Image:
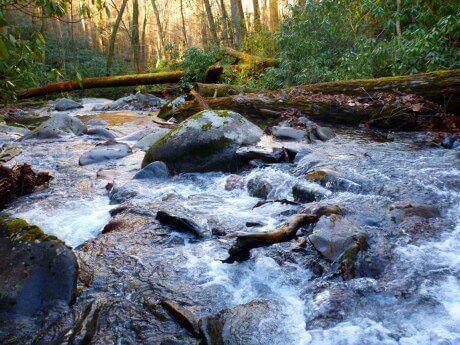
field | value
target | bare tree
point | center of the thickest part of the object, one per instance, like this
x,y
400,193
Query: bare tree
x,y
161,39
212,25
255,4
398,19
184,30
238,21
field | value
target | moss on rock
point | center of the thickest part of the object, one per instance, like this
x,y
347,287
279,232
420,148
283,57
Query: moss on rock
x,y
20,230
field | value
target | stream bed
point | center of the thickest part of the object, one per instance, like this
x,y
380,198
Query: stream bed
x,y
290,293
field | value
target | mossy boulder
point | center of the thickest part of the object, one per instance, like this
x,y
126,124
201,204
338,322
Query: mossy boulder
x,y
207,141
37,271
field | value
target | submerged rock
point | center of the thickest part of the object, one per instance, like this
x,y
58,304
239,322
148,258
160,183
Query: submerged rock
x,y
402,211
268,155
308,193
207,141
63,104
234,182
259,187
256,322
57,126
37,272
157,170
179,223
330,179
104,152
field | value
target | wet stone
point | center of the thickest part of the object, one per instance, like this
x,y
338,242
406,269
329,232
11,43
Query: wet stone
x,y
155,170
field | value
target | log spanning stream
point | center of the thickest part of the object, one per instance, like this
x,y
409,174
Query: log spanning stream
x,y
405,291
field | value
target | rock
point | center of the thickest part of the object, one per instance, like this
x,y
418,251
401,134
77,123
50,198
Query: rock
x,y
331,180
258,187
254,224
267,155
148,140
157,170
332,237
234,182
63,104
106,151
323,133
207,141
165,110
57,126
402,211
283,132
257,322
308,193
179,223
139,101
14,130
37,272
100,132
136,136
97,122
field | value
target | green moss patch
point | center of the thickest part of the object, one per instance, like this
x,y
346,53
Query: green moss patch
x,y
20,230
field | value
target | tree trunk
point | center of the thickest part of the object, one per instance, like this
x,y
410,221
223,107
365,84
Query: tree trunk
x,y
113,36
398,19
225,23
212,75
184,30
352,102
238,21
274,15
212,25
161,39
257,24
135,41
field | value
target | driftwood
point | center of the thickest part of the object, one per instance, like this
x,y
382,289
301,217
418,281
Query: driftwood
x,y
212,76
352,102
240,251
252,60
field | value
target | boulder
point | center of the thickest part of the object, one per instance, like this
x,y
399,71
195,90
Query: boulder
x,y
63,104
323,133
148,140
207,141
37,272
267,155
259,187
179,223
57,126
104,152
166,109
139,101
135,136
155,170
330,179
284,132
100,132
401,212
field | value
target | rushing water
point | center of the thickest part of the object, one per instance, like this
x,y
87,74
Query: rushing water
x,y
424,271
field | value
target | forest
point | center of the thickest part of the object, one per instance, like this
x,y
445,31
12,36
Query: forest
x,y
230,172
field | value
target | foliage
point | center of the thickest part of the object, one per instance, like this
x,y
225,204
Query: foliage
x,y
334,40
196,61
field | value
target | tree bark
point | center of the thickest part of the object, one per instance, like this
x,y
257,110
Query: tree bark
x,y
161,39
225,24
351,102
257,24
238,21
252,60
398,19
184,30
212,24
274,15
113,36
213,73
135,41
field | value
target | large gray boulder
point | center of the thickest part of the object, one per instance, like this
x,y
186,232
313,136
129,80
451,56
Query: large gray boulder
x,y
148,140
155,170
57,126
104,152
207,141
63,104
37,272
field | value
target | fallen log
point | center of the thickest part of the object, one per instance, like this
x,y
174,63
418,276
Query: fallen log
x,y
212,76
252,60
353,102
240,251
221,90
